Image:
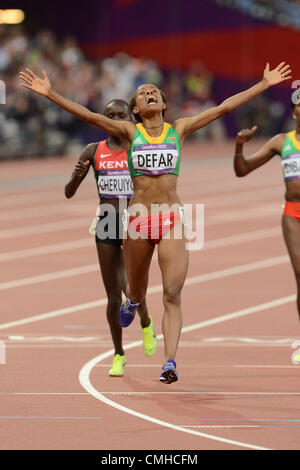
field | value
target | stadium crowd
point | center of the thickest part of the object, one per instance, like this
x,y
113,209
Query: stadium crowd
x,y
282,12
31,125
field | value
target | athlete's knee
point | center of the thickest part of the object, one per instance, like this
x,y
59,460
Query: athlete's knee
x,y
172,294
136,294
114,300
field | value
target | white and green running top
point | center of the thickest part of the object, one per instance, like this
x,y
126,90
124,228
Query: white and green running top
x,y
154,155
290,157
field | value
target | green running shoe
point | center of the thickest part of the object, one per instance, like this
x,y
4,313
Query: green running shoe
x,y
118,364
296,359
149,339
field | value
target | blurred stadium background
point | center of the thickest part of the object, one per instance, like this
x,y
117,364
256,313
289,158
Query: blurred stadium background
x,y
198,52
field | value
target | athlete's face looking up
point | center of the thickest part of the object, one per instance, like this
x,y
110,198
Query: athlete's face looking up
x,y
148,101
117,112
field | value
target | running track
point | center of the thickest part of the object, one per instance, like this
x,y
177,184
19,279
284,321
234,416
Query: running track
x,y
238,388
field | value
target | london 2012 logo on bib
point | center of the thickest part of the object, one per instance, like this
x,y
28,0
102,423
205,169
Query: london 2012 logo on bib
x,y
155,159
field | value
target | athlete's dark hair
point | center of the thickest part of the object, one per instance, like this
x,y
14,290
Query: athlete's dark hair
x,y
119,102
132,104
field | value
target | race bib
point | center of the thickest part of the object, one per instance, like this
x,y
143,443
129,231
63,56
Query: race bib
x,y
291,167
115,185
155,159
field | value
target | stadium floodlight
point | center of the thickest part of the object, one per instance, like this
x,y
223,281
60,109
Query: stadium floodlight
x,y
11,16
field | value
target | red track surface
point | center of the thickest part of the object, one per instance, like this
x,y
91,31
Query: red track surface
x,y
238,387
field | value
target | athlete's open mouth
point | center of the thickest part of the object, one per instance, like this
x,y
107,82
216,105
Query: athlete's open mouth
x,y
151,100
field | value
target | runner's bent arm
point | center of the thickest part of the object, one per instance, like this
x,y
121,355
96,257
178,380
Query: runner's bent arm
x,y
243,166
80,171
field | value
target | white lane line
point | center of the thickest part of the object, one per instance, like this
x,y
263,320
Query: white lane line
x,y
264,212
158,288
50,209
212,244
84,374
261,426
220,426
241,313
242,238
37,197
86,200
69,339
187,187
201,393
246,197
86,384
44,393
244,268
208,245
47,249
55,313
91,268
55,191
261,211
45,228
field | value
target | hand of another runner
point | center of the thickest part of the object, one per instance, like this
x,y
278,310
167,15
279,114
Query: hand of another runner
x,y
81,167
34,83
245,135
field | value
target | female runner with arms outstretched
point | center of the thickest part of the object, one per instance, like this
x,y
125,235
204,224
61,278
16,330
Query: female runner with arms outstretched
x,y
153,149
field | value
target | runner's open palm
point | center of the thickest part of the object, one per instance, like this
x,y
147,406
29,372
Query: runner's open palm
x,y
34,83
278,75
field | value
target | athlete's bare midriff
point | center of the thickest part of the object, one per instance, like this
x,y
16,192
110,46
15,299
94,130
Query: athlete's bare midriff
x,y
292,192
155,190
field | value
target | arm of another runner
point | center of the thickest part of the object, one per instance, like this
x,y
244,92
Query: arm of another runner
x,y
186,126
271,148
42,86
80,171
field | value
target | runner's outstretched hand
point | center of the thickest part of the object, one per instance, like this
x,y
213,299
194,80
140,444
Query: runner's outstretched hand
x,y
34,83
281,73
